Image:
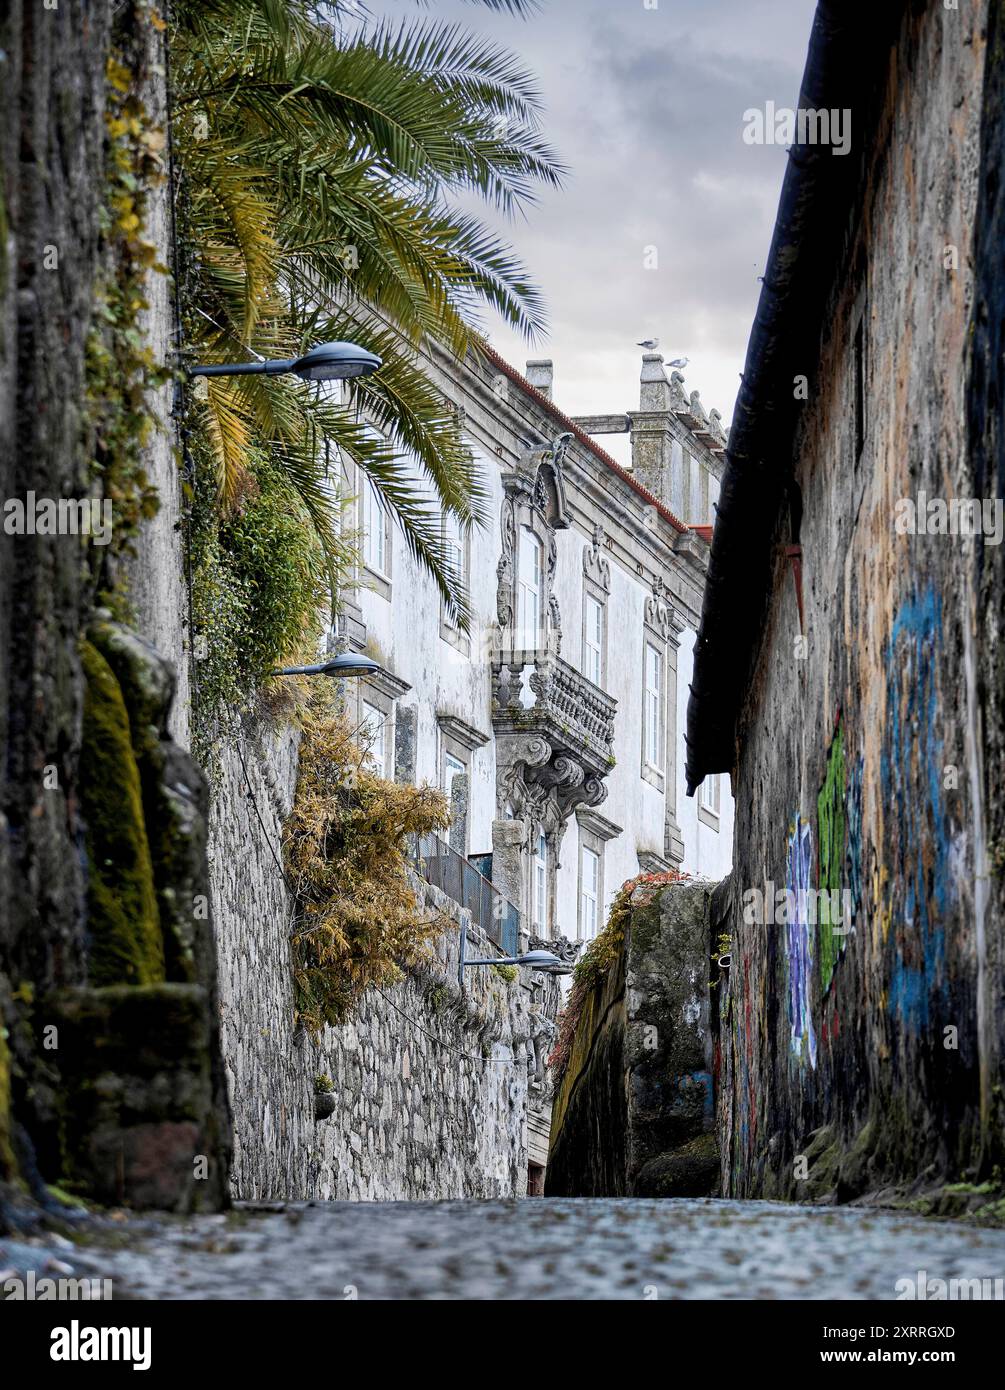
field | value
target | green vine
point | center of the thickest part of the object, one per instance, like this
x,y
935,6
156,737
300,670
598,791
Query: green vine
x,y
120,367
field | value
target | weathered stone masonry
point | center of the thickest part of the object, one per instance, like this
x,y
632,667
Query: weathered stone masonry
x,y
633,1113
413,1117
869,767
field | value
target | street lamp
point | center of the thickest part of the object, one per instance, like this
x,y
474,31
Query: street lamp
x,y
348,666
538,960
326,362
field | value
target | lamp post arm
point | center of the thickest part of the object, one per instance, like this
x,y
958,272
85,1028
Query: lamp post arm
x,y
243,368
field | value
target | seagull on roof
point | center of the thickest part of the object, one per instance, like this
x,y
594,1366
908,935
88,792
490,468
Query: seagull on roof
x,y
650,344
679,363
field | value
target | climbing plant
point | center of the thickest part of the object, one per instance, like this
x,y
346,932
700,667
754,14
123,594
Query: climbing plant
x,y
120,368
601,955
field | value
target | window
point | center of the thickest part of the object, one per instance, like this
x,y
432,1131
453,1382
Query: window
x,y
589,893
454,552
374,732
376,538
652,710
539,886
452,767
709,794
593,639
529,577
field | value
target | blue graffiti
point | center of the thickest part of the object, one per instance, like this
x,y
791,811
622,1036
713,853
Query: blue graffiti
x,y
912,763
799,943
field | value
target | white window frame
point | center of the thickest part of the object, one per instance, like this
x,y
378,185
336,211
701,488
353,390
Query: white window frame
x,y
710,800
529,589
539,885
654,706
457,541
594,643
375,530
591,890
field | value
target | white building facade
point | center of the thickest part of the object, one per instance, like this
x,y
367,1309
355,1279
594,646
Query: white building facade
x,y
556,724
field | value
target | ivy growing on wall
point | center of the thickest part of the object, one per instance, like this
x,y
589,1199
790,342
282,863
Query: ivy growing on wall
x,y
259,588
120,366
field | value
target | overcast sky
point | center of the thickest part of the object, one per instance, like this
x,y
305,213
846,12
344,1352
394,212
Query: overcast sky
x,y
646,108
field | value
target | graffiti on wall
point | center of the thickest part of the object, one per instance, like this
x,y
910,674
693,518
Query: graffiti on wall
x,y
831,859
799,942
912,765
839,854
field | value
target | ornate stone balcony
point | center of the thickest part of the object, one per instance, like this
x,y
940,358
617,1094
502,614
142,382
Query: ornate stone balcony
x,y
554,727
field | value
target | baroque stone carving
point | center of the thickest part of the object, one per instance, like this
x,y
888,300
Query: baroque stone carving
x,y
566,950
596,566
554,754
658,610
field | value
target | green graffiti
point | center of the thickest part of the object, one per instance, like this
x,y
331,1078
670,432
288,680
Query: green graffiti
x,y
830,852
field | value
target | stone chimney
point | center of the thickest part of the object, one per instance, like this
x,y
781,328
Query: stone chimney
x,y
652,440
541,373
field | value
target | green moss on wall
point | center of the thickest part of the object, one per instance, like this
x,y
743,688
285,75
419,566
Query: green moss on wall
x,y
123,922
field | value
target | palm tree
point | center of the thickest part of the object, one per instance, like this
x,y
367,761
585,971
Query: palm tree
x,y
322,161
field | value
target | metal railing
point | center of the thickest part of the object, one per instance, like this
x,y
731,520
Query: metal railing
x,y
460,880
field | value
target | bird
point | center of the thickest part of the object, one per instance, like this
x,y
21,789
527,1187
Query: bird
x,y
650,344
679,363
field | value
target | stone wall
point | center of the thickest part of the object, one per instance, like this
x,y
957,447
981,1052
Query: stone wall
x,y
633,1113
431,1088
870,1054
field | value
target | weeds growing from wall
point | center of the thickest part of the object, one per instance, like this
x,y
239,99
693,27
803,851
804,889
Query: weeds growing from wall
x,y
345,846
601,955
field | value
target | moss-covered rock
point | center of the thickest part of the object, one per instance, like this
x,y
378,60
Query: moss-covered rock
x,y
123,922
690,1171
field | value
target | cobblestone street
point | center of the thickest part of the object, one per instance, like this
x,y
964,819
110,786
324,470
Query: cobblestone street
x,y
534,1249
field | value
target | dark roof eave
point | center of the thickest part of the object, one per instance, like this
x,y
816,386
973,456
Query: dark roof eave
x,y
844,71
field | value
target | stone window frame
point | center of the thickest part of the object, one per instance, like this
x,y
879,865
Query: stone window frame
x,y
377,700
595,833
458,740
707,814
381,692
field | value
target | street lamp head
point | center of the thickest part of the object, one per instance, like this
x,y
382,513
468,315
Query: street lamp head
x,y
335,362
348,666
546,961
326,362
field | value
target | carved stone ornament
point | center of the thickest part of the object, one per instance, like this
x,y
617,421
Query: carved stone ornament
x,y
596,565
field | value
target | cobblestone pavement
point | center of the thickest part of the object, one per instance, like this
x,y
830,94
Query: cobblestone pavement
x,y
533,1249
